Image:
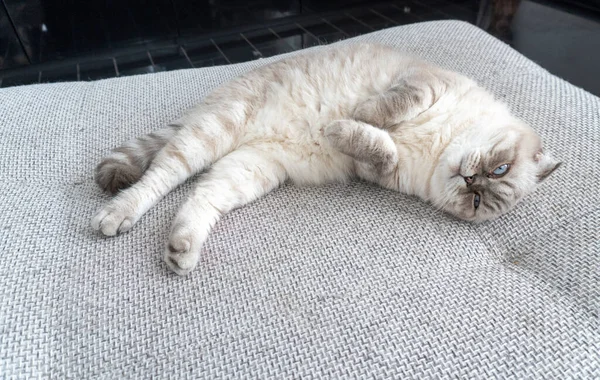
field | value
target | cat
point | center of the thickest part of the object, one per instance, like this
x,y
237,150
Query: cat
x,y
357,110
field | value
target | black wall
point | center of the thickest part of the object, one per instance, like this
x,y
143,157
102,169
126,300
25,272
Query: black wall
x,y
36,31
39,31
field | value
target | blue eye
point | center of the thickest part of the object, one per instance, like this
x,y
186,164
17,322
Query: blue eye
x,y
476,200
501,169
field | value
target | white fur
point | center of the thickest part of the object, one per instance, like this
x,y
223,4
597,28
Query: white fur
x,y
270,126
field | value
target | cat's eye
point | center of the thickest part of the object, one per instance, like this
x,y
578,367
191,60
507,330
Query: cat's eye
x,y
501,170
476,200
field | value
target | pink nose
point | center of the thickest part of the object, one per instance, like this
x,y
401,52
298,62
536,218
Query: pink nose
x,y
469,180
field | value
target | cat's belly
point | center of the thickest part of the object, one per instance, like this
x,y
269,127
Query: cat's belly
x,y
290,124
302,149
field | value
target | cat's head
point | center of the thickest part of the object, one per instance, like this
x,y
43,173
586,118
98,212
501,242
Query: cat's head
x,y
490,167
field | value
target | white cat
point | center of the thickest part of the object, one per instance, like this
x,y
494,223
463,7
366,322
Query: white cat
x,y
360,110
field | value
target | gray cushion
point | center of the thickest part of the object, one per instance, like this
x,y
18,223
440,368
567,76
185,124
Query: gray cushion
x,y
336,281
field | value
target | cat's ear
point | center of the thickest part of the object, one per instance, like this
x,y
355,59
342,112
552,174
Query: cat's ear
x,y
546,165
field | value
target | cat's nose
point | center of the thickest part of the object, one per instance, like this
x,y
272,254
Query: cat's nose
x,y
469,180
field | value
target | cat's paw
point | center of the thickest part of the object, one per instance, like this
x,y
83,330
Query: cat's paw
x,y
113,219
181,254
336,131
369,112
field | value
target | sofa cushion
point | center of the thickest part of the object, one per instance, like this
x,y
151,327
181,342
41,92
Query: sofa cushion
x,y
339,281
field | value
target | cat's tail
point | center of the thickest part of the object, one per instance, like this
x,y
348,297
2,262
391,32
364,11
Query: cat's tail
x,y
126,164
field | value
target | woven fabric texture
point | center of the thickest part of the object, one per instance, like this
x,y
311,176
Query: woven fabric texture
x,y
340,281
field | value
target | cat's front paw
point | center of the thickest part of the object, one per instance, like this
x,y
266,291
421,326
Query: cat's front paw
x,y
336,131
113,219
182,254
369,112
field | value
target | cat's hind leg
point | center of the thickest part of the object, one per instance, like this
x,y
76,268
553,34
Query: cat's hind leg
x,y
203,138
237,179
126,164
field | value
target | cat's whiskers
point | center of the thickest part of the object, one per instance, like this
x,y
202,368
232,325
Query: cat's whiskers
x,y
440,209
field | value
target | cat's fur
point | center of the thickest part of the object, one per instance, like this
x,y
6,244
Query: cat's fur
x,y
359,110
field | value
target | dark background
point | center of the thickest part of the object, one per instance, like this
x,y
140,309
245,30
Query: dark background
x,y
58,40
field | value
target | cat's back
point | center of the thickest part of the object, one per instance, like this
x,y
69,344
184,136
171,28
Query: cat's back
x,y
336,73
312,88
